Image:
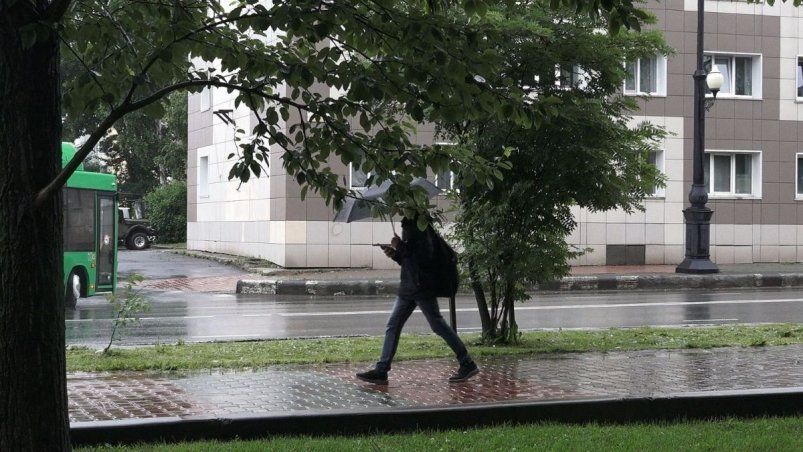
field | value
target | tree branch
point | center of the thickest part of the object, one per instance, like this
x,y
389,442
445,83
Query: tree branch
x,y
56,184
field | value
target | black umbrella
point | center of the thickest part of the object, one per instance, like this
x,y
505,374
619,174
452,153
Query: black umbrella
x,y
360,207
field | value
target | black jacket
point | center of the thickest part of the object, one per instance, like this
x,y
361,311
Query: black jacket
x,y
414,253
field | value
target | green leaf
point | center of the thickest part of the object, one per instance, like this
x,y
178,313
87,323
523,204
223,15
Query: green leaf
x,y
417,113
272,116
154,110
255,168
365,122
422,222
234,171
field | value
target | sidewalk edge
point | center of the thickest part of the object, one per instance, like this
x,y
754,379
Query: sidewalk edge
x,y
749,403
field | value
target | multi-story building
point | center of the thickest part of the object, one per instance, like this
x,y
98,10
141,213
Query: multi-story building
x,y
753,158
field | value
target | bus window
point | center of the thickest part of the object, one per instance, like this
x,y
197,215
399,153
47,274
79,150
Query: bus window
x,y
79,220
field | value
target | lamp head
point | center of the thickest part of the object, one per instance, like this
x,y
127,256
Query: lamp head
x,y
714,80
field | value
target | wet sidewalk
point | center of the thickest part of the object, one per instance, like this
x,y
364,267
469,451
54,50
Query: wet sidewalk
x,y
313,399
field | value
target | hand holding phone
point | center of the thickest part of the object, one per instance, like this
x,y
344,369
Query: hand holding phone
x,y
387,249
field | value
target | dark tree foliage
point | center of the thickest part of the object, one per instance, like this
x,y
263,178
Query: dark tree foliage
x,y
585,153
436,60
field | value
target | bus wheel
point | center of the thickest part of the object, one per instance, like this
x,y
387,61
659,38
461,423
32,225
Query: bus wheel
x,y
73,290
138,241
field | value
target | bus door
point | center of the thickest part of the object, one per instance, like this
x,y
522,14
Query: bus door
x,y
107,242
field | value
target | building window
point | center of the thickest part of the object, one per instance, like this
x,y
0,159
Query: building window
x,y
646,76
571,77
733,174
444,180
357,178
206,99
656,157
203,177
568,77
800,77
741,74
799,177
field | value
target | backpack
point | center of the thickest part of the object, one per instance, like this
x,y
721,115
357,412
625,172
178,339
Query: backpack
x,y
442,269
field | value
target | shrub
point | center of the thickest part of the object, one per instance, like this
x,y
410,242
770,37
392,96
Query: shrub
x,y
167,211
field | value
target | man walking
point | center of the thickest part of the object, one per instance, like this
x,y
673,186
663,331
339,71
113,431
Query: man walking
x,y
413,251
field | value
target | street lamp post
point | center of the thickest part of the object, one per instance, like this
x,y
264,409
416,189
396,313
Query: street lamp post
x,y
698,216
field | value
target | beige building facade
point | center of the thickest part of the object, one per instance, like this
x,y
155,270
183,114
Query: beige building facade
x,y
754,160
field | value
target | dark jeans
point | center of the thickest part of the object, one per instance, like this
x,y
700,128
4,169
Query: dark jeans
x,y
402,309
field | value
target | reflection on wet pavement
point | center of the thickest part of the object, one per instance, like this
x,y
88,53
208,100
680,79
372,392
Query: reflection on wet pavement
x,y
415,384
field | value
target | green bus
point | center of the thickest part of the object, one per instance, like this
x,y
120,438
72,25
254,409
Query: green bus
x,y
90,231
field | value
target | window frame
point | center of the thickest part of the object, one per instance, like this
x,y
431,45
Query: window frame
x,y
660,78
351,178
660,163
756,75
799,79
798,187
79,228
435,177
578,78
755,174
205,101
451,180
203,176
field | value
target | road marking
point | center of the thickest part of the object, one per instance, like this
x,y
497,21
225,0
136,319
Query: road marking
x,y
560,307
662,303
518,308
547,297
170,317
161,318
225,335
319,314
708,320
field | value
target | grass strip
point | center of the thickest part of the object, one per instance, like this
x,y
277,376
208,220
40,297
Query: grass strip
x,y
775,434
234,355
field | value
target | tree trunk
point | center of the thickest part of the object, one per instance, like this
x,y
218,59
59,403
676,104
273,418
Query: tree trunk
x,y
33,392
479,295
510,316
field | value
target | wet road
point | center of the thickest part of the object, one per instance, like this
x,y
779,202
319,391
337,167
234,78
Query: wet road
x,y
160,264
197,317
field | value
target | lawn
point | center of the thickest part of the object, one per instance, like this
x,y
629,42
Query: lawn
x,y
234,355
770,434
767,434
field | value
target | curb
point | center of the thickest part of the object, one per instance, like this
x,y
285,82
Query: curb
x,y
648,281
743,403
320,288
675,281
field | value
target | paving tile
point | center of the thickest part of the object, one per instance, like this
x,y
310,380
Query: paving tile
x,y
281,389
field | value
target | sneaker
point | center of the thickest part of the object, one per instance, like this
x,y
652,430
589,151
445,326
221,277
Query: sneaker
x,y
374,376
464,373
